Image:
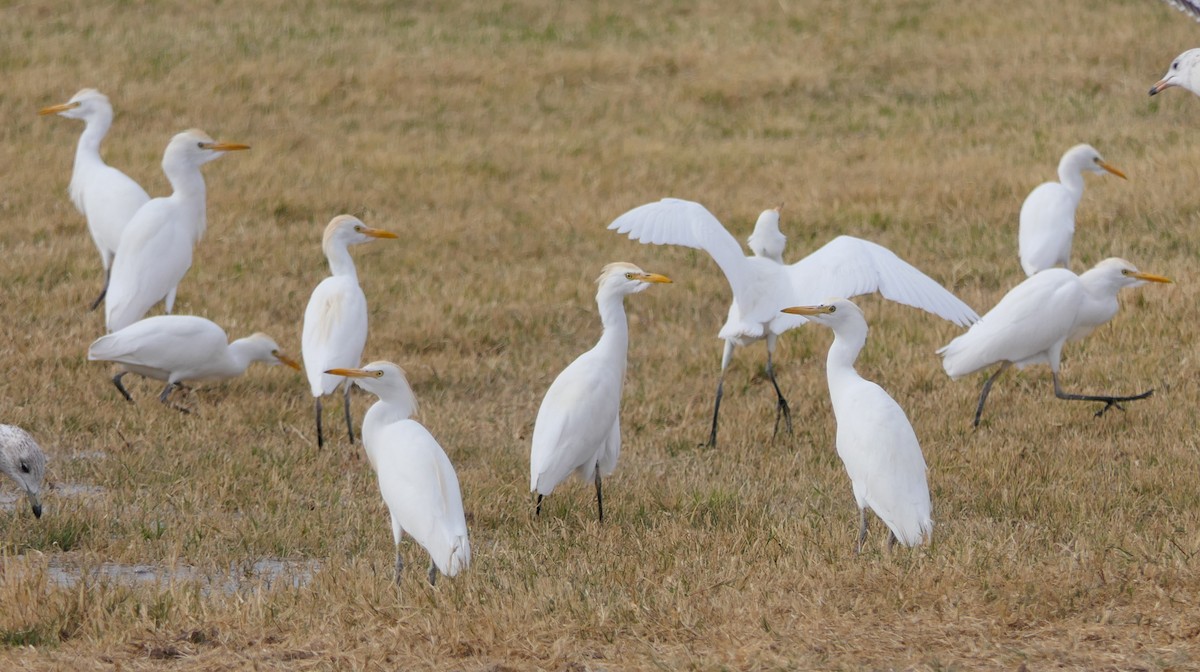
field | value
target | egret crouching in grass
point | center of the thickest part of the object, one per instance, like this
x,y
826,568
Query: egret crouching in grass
x,y
578,427
874,438
763,285
1035,319
1184,71
24,462
182,349
335,321
106,197
1048,213
416,478
156,246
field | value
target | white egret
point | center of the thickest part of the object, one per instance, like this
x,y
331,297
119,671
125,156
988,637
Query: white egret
x,y
578,426
1035,319
763,285
106,197
875,440
1048,213
1184,72
335,321
23,460
182,349
416,478
156,247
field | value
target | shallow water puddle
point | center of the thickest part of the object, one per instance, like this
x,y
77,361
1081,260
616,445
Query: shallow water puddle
x,y
265,573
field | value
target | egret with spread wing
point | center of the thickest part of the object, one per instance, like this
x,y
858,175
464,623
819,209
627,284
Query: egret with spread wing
x,y
106,197
875,440
1035,319
1048,213
763,285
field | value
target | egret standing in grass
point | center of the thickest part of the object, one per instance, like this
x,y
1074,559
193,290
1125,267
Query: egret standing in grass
x,y
156,247
874,437
416,478
1048,213
578,427
1035,319
24,462
1184,72
335,321
763,285
105,196
182,349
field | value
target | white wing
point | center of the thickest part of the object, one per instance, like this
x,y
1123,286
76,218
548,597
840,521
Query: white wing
x,y
1032,319
174,343
673,221
846,267
153,257
110,200
421,490
1047,228
335,331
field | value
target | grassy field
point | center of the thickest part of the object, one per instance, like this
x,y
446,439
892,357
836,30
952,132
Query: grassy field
x,y
498,140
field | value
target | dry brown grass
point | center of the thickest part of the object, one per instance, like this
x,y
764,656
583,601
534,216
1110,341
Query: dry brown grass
x,y
498,140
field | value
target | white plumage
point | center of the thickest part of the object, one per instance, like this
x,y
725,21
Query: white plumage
x,y
106,197
1184,71
1034,320
763,285
416,478
1048,213
156,247
182,349
335,320
23,461
578,427
875,440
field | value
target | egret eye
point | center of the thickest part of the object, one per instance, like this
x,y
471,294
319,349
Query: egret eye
x,y
629,276
201,145
379,374
833,309
358,227
24,468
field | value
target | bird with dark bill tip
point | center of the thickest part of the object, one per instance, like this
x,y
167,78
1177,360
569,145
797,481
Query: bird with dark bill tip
x,y
1184,72
24,462
875,440
183,349
335,321
578,426
1047,225
106,197
416,478
1035,319
763,285
156,247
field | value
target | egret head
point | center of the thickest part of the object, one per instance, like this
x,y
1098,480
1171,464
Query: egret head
x,y
1116,274
625,278
346,230
1084,157
384,380
767,241
1183,72
194,147
264,349
24,461
831,313
85,104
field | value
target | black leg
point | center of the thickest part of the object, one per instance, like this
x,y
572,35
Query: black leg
x,y
349,424
433,573
891,540
104,291
121,388
862,530
599,495
1109,401
166,395
987,388
320,435
399,565
538,510
712,438
781,410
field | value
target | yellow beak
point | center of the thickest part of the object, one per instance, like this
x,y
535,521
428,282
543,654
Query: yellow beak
x,y
652,277
55,109
808,310
350,373
1150,277
1112,169
378,233
287,361
224,146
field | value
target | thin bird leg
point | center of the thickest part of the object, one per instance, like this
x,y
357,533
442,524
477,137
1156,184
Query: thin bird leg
x,y
433,573
891,540
725,357
782,409
987,387
103,291
399,565
169,304
121,388
349,424
1109,401
538,510
862,530
320,435
599,495
165,398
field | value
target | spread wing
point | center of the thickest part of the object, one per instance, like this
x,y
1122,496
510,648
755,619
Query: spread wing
x,y
846,267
